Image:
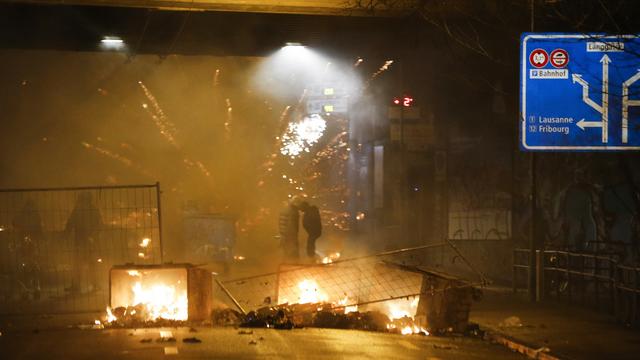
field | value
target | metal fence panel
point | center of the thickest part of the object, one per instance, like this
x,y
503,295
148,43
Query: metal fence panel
x,y
57,245
364,280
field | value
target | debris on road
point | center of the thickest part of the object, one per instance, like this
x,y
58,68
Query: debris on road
x,y
192,340
226,317
165,339
511,321
245,332
253,342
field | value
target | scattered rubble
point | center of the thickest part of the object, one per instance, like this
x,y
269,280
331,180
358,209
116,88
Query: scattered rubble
x,y
510,322
138,317
192,340
226,317
320,315
165,339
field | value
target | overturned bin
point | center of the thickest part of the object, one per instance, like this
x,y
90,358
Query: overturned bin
x,y
445,302
144,293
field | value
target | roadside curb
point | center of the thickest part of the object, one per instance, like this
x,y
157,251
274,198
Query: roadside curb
x,y
520,346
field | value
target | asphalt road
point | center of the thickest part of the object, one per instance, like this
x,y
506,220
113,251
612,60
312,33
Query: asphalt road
x,y
228,343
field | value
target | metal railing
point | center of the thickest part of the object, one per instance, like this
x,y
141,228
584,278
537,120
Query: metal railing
x,y
57,244
589,279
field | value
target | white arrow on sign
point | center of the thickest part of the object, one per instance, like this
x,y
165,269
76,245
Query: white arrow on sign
x,y
602,109
584,123
626,103
577,78
605,97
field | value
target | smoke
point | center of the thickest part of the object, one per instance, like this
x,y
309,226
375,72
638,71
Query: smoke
x,y
209,129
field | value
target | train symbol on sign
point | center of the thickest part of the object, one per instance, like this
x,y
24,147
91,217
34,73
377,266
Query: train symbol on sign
x,y
559,58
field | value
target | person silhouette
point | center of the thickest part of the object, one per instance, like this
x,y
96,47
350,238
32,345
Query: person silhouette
x,y
84,222
312,224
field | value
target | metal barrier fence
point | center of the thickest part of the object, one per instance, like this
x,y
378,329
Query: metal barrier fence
x,y
594,280
57,245
371,279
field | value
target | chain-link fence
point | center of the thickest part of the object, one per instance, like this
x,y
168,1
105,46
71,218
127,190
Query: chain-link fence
x,y
57,245
369,279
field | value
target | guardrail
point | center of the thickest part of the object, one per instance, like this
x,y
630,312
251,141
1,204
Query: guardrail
x,y
589,279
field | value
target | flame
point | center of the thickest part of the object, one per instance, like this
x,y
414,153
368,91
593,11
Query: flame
x,y
310,292
331,258
110,316
409,330
145,242
161,301
150,299
401,312
347,309
400,308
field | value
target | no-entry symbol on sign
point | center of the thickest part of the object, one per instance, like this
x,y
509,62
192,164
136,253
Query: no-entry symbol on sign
x,y
539,58
559,58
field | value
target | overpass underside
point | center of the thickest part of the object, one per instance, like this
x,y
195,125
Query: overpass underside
x,y
384,8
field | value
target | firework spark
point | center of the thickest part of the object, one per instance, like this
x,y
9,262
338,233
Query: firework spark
x,y
300,136
166,127
216,78
387,64
117,157
227,123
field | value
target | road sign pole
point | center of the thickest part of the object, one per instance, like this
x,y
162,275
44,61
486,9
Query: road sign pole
x,y
534,197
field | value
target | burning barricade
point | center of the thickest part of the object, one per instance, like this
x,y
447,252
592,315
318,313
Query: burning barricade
x,y
375,296
158,295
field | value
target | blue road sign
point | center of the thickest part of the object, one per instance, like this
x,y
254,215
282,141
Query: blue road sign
x,y
579,92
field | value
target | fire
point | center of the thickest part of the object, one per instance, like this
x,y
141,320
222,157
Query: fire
x,y
401,312
408,330
161,301
310,293
400,308
331,258
110,317
145,242
347,309
147,296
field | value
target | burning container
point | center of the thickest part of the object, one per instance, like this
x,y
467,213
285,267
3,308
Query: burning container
x,y
153,292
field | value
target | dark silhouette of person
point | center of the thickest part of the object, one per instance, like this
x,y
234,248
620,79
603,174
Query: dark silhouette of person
x,y
84,222
578,214
288,225
620,205
312,225
27,226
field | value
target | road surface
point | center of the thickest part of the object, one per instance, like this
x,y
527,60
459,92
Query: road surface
x,y
228,343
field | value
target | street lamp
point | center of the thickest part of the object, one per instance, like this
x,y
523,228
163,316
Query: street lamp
x,y
112,43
